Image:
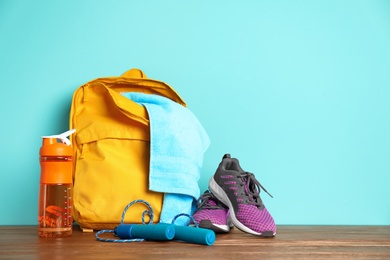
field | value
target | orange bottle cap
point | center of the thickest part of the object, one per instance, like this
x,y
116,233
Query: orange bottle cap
x,y
50,147
58,167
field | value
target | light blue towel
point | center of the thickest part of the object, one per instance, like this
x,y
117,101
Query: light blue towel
x,y
177,145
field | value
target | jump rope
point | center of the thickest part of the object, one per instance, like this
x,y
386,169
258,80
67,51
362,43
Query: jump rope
x,y
157,232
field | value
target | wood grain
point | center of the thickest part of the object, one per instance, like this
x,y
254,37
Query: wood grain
x,y
291,242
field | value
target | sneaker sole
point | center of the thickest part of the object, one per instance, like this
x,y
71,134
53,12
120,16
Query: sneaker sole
x,y
215,227
222,196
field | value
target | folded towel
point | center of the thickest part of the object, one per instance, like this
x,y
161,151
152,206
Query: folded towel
x,y
177,145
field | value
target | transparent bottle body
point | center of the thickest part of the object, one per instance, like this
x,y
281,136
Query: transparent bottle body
x,y
55,210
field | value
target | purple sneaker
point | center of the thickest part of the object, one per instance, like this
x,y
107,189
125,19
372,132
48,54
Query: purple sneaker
x,y
212,214
240,191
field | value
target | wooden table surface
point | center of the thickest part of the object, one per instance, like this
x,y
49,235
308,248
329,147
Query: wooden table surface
x,y
291,242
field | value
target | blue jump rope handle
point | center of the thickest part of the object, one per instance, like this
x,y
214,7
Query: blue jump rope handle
x,y
164,232
160,232
194,235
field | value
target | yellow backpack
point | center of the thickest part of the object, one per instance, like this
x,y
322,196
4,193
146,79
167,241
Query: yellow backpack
x,y
111,150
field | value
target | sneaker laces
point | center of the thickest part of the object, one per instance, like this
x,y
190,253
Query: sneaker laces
x,y
253,188
208,201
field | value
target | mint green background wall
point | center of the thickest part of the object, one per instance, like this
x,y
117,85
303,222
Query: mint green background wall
x,y
297,90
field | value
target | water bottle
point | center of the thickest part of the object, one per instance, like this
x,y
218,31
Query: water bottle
x,y
56,185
